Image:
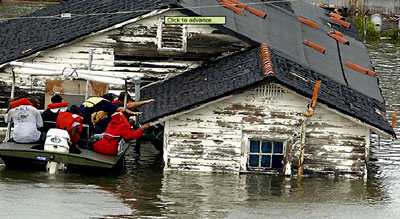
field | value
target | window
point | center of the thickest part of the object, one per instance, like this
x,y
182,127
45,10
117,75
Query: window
x,y
265,154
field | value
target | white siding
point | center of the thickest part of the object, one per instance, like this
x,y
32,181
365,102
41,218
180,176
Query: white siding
x,y
215,137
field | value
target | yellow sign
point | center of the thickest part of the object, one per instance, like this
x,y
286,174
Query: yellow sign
x,y
195,20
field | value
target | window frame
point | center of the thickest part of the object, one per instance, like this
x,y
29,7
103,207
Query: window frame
x,y
260,154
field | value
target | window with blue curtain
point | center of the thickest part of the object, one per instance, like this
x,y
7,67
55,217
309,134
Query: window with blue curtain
x,y
265,154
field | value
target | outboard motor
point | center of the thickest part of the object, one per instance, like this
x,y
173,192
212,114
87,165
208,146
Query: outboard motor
x,y
57,140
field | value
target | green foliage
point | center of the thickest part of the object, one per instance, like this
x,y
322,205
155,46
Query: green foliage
x,y
372,33
393,34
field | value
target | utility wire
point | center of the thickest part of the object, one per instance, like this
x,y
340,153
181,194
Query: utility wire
x,y
71,15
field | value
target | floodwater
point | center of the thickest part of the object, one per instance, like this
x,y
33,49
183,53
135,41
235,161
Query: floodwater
x,y
144,190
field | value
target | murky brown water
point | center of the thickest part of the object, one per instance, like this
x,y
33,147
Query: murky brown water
x,y
144,190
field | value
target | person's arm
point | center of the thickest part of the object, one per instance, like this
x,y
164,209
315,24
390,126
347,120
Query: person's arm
x,y
128,134
132,105
74,133
121,109
39,120
8,116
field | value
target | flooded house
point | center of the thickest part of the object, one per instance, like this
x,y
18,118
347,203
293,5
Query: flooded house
x,y
233,97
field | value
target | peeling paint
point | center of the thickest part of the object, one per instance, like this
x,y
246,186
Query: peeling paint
x,y
334,144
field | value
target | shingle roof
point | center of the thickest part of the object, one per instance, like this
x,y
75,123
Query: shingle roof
x,y
284,33
33,35
203,84
244,70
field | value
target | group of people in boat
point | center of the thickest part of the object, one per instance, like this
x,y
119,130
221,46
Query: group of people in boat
x,y
105,115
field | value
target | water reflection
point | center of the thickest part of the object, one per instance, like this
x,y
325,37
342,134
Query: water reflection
x,y
216,195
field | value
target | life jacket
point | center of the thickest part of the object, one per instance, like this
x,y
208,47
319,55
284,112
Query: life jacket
x,y
117,129
120,116
22,101
57,105
91,102
65,121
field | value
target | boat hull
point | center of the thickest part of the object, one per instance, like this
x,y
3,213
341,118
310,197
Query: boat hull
x,y
13,153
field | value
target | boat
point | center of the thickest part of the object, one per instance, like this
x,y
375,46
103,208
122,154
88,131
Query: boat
x,y
55,155
19,155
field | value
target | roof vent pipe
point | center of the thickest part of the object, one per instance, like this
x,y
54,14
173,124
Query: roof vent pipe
x,y
308,22
314,46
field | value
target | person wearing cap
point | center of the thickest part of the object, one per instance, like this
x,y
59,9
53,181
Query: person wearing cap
x,y
118,128
26,119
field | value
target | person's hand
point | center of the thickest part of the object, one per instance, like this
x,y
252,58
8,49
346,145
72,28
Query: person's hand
x,y
136,113
145,126
150,100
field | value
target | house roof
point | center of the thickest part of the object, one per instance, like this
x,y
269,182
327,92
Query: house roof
x,y
245,70
283,32
280,29
23,37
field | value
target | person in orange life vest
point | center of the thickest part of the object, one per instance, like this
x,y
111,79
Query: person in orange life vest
x,y
51,113
117,129
73,124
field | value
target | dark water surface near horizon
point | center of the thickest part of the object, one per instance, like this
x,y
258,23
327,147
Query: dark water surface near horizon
x,y
145,190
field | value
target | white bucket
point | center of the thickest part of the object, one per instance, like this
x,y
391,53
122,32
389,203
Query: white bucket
x,y
376,19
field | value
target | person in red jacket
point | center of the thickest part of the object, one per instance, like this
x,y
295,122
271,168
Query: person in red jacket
x,y
73,124
117,129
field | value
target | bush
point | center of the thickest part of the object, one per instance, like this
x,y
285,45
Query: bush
x,y
372,33
393,34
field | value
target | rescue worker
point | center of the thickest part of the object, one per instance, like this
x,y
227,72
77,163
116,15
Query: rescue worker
x,y
117,129
98,121
51,113
26,120
73,124
96,104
